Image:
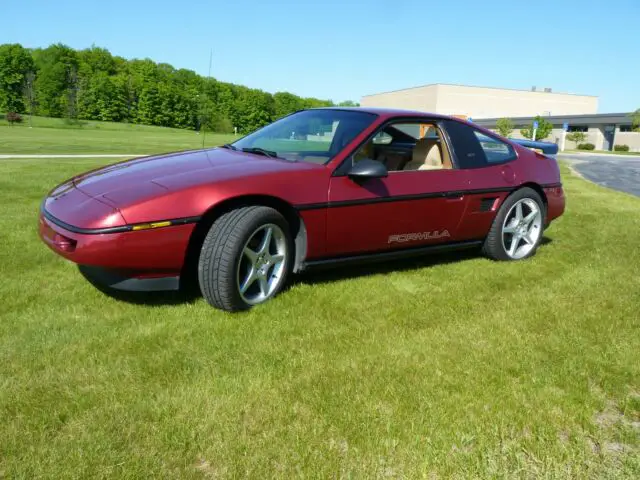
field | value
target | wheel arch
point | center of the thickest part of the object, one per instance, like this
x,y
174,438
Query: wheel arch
x,y
296,223
539,190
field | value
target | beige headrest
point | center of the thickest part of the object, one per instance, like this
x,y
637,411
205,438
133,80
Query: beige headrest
x,y
426,154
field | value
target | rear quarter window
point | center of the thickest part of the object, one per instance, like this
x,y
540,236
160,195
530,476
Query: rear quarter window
x,y
495,150
474,149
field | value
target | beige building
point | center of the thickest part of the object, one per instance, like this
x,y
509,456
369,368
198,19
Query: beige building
x,y
604,130
483,102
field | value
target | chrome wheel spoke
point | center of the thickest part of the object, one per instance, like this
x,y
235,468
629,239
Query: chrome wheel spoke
x,y
276,259
527,238
512,228
248,281
266,241
531,217
514,245
251,255
518,217
264,285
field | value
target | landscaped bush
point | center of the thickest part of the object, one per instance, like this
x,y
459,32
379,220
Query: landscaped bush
x,y
621,148
13,117
586,146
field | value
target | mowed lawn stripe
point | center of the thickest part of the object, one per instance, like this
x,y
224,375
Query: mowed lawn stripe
x,y
101,138
437,367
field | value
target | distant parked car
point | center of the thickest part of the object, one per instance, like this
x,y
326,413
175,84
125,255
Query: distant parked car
x,y
378,185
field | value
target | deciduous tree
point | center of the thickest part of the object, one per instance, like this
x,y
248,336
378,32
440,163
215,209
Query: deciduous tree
x,y
543,131
635,120
15,64
92,84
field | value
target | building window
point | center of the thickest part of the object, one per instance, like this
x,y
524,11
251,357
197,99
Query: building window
x,y
578,128
626,128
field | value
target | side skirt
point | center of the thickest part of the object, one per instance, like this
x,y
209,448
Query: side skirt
x,y
389,255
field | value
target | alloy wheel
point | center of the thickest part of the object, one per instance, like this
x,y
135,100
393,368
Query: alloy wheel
x,y
522,228
262,264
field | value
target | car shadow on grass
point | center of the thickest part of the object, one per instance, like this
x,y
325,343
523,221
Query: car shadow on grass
x,y
404,265
190,292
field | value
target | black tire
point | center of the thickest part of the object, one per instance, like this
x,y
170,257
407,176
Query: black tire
x,y
494,246
221,254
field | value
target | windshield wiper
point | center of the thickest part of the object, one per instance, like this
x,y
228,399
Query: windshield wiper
x,y
261,151
228,146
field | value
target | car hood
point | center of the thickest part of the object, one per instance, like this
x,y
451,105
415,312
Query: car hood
x,y
123,183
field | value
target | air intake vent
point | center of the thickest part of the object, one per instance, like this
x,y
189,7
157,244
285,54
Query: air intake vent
x,y
486,204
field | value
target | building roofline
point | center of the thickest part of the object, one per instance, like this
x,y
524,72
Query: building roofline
x,y
621,118
578,115
476,86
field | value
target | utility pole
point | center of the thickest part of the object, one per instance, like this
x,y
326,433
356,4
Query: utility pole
x,y
208,80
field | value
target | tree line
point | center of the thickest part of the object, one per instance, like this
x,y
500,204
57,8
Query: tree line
x,y
92,84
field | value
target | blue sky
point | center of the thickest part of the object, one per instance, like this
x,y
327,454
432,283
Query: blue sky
x,y
343,49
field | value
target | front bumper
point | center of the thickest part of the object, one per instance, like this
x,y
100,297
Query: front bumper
x,y
136,255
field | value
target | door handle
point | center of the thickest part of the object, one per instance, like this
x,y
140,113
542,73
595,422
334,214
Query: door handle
x,y
454,195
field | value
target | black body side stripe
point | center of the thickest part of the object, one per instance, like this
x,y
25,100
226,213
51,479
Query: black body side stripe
x,y
124,228
399,198
417,196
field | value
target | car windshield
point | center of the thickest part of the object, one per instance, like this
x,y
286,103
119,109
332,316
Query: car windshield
x,y
314,136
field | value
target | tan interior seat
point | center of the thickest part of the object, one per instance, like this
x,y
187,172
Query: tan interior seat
x,y
426,154
429,153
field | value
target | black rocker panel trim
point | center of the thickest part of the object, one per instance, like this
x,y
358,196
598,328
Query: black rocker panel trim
x,y
389,255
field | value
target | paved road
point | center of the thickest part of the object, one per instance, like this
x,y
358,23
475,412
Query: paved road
x,y
617,172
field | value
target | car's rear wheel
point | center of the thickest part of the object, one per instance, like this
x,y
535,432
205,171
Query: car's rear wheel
x,y
516,231
245,258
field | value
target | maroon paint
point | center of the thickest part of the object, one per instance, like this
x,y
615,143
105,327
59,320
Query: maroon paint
x,y
188,184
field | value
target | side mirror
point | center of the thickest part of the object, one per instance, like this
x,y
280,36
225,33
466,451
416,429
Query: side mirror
x,y
367,169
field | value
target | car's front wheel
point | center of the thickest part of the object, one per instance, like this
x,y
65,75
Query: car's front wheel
x,y
245,258
516,231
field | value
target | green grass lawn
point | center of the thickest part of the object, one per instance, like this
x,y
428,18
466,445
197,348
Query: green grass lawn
x,y
444,367
54,136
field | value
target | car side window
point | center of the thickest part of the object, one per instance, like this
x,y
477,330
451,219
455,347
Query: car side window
x,y
474,149
406,146
495,150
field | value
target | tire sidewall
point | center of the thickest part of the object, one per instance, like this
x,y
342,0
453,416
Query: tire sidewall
x,y
262,216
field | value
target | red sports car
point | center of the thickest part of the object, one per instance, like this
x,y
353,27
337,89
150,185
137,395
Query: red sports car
x,y
319,187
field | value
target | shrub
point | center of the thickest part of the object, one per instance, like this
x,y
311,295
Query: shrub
x,y
586,146
621,148
13,117
504,126
577,137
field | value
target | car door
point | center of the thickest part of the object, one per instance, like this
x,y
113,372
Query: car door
x,y
404,210
490,163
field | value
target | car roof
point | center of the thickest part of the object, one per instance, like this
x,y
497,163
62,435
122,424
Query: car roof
x,y
388,112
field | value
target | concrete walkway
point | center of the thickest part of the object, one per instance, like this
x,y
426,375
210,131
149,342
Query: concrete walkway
x,y
64,155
